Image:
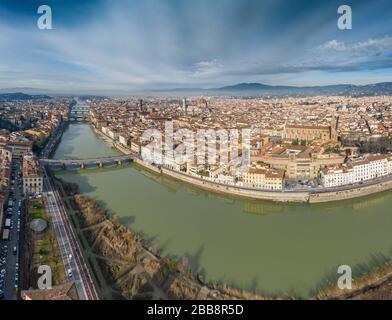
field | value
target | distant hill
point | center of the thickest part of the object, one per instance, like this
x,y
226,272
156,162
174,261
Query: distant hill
x,y
251,87
21,96
240,89
260,89
384,88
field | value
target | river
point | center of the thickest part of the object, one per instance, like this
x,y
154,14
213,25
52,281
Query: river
x,y
265,247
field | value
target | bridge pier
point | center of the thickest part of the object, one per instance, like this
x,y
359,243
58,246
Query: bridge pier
x,y
119,162
82,165
100,164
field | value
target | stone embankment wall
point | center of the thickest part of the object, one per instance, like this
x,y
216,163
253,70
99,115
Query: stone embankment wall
x,y
350,193
146,165
304,196
240,192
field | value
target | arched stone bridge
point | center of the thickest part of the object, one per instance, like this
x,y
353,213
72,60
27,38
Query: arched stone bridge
x,y
80,113
82,163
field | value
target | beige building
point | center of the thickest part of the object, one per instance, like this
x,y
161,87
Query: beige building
x,y
310,133
20,148
32,175
297,161
5,153
263,179
274,179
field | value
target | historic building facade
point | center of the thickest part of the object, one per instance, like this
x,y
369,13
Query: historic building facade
x,y
310,133
367,168
32,175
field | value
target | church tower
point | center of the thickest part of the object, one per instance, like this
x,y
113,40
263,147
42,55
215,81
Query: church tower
x,y
334,128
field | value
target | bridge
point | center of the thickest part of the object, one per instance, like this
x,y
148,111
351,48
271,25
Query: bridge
x,y
88,163
79,113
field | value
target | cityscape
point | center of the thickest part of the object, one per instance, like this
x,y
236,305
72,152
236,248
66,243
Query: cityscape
x,y
264,174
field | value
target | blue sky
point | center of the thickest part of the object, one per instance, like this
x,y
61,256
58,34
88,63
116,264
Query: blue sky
x,y
145,44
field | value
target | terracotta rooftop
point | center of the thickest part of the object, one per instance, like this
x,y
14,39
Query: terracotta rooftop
x,y
62,292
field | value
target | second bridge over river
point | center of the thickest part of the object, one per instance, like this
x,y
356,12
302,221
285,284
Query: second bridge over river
x,y
88,163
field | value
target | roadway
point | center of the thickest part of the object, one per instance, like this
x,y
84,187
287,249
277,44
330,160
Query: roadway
x,y
11,281
71,254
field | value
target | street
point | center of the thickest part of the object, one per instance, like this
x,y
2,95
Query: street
x,y
10,249
10,241
75,267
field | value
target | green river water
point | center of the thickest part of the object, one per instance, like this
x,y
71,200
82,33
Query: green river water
x,y
262,246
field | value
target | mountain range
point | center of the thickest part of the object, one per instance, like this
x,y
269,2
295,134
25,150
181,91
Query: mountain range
x,y
260,89
21,96
240,89
256,89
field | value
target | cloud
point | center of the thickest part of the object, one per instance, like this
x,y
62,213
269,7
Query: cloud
x,y
311,65
204,68
332,45
368,48
134,45
373,47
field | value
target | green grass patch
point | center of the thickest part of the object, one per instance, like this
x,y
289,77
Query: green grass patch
x,y
37,210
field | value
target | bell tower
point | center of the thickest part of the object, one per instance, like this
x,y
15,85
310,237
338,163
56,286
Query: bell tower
x,y
334,128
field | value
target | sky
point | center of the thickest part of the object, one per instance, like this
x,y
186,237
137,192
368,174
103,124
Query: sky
x,y
162,44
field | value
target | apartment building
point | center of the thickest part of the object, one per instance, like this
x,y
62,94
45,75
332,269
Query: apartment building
x,y
20,147
32,175
359,170
263,179
299,162
5,153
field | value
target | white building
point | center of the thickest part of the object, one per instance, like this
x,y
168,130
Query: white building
x,y
123,140
112,134
389,167
105,130
363,169
225,179
135,147
170,162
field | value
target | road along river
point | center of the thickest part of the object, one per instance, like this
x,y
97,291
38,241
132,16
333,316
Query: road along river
x,y
270,248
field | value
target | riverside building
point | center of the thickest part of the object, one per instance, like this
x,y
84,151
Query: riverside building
x,y
299,162
32,175
360,170
263,179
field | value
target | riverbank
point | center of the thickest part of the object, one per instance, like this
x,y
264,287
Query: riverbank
x,y
374,285
276,196
109,141
135,269
132,267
